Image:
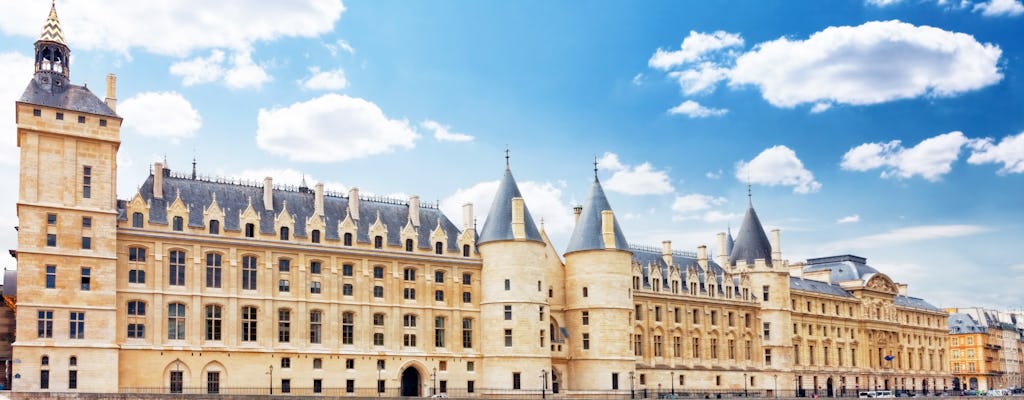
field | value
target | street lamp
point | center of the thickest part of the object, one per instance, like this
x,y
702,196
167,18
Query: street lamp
x,y
672,381
776,385
543,382
744,384
270,371
631,391
433,375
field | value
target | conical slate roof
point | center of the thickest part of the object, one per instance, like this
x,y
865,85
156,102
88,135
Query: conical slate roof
x,y
751,242
729,242
587,233
51,31
498,225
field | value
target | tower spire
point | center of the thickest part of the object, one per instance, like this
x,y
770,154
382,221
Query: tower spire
x,y
507,166
595,167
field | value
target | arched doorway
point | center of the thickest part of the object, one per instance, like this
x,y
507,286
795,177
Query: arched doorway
x,y
956,383
828,387
974,383
410,382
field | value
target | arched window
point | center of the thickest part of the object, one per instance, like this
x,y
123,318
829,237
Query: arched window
x,y
73,361
136,220
250,230
378,242
315,236
284,233
438,248
408,244
45,360
348,239
465,250
214,227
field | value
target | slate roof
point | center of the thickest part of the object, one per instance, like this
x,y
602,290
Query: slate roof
x,y
68,96
963,323
234,198
498,225
51,30
809,285
751,241
10,283
843,268
587,234
649,258
914,302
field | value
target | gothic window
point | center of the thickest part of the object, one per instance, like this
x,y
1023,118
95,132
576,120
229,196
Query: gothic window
x,y
438,248
178,224
378,242
214,227
408,244
284,233
348,239
315,236
250,230
136,220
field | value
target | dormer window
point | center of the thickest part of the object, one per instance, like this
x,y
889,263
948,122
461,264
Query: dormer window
x,y
378,242
465,250
214,227
408,244
315,236
136,220
284,233
178,224
348,239
439,248
250,230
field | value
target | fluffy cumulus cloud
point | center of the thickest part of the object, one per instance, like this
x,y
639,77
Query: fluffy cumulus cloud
x,y
642,179
543,199
325,80
930,159
871,63
331,128
1009,152
1000,8
700,206
166,115
693,109
238,72
694,48
849,219
443,133
700,79
778,165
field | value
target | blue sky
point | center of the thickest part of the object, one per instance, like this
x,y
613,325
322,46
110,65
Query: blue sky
x,y
887,129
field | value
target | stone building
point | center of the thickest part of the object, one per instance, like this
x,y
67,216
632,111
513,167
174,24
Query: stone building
x,y
217,285
985,347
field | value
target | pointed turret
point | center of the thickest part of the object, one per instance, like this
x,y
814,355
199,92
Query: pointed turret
x,y
52,52
507,214
52,31
729,241
597,227
751,242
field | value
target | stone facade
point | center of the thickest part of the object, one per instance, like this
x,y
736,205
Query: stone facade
x,y
214,285
986,348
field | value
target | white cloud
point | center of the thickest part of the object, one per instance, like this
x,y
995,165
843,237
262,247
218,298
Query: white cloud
x,y
700,79
778,165
175,28
200,70
639,180
165,115
872,63
696,202
849,219
882,3
693,48
241,73
543,199
339,45
325,80
1000,8
820,108
693,109
443,133
331,128
638,79
714,174
897,237
930,159
1009,152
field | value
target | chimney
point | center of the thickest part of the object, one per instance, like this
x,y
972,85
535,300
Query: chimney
x,y
577,211
776,246
608,228
702,256
353,203
666,248
268,193
723,259
467,216
318,199
518,218
158,180
111,99
414,211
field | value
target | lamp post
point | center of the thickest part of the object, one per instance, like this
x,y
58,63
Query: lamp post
x,y
744,384
672,381
433,375
379,370
776,385
270,371
632,393
543,383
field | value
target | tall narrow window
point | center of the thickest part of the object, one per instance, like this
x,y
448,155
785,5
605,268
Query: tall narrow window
x,y
438,248
86,278
467,333
348,239
77,328
45,324
508,285
516,381
315,322
176,268
136,220
177,381
378,242
439,332
73,379
213,322
408,244
248,324
249,273
213,270
86,182
176,321
508,313
213,382
51,276
315,236
348,328
465,250
284,325
136,265
178,224
284,233
136,319
250,230
86,243
508,338
214,227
